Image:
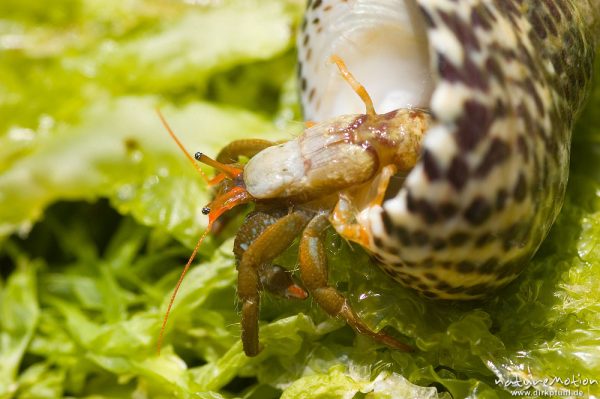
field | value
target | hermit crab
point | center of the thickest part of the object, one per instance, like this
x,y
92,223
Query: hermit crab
x,y
477,101
300,187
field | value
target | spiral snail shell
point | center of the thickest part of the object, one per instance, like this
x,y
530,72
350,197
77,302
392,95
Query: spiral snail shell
x,y
504,81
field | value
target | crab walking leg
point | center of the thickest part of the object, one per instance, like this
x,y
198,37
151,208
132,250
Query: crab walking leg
x,y
273,241
245,147
343,217
313,271
273,278
344,222
384,180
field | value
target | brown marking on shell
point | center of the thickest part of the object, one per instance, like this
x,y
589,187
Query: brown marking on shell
x,y
505,174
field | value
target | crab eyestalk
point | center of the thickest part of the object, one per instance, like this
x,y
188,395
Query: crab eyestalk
x,y
235,192
230,171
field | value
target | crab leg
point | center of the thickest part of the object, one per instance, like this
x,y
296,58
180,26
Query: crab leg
x,y
313,271
268,245
245,147
273,278
343,217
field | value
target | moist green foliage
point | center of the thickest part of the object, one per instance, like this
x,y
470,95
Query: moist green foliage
x,y
98,210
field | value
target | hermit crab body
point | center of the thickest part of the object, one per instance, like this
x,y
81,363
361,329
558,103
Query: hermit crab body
x,y
334,173
300,187
334,155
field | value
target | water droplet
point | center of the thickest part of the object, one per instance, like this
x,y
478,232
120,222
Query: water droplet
x,y
21,134
125,192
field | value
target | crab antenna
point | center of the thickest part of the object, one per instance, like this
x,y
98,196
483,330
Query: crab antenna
x,y
161,336
356,86
230,171
180,145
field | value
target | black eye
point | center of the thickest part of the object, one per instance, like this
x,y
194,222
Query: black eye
x,y
205,210
198,155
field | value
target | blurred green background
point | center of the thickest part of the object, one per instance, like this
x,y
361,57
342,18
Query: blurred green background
x,y
99,209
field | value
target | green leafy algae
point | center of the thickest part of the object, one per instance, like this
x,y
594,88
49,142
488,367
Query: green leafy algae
x,y
98,210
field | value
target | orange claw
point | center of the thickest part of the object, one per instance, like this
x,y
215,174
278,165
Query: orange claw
x,y
295,291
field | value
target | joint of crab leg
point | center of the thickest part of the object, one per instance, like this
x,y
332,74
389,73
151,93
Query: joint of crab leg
x,y
267,246
230,171
313,272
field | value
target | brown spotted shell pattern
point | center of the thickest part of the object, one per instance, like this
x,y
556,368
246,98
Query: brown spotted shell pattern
x,y
508,78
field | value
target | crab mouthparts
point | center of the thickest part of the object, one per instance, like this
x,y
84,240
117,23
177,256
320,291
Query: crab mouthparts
x,y
235,196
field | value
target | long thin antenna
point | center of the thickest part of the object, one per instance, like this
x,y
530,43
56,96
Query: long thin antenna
x,y
356,86
185,269
180,145
161,336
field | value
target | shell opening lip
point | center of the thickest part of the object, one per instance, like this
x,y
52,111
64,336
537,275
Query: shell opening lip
x,y
387,50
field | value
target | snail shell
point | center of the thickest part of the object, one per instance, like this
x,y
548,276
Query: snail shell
x,y
504,81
